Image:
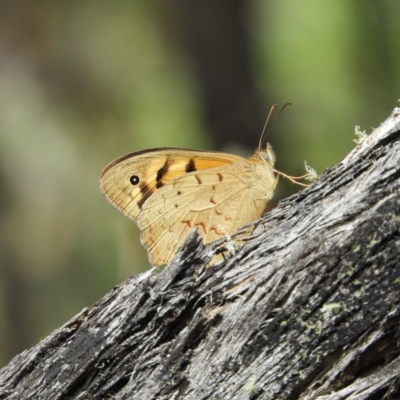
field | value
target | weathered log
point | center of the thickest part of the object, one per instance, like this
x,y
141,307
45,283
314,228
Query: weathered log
x,y
308,308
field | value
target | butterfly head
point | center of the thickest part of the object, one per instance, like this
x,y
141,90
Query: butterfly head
x,y
266,155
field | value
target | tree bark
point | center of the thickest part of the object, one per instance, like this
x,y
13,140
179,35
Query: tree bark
x,y
308,308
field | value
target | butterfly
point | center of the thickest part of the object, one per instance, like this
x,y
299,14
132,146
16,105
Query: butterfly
x,y
169,191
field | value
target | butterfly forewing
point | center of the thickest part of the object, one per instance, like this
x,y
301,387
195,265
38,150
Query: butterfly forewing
x,y
154,169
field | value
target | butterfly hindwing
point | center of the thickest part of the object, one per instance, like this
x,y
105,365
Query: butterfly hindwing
x,y
215,201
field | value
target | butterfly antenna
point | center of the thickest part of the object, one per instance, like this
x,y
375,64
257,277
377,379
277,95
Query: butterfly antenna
x,y
264,132
280,112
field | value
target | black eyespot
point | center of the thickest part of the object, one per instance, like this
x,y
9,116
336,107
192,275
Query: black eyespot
x,y
134,180
176,205
178,192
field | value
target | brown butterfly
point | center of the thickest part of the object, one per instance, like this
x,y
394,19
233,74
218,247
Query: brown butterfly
x,y
168,192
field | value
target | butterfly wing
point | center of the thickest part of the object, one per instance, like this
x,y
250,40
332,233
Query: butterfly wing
x,y
131,180
217,201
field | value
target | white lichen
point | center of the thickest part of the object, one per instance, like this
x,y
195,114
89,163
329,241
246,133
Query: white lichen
x,y
311,173
360,135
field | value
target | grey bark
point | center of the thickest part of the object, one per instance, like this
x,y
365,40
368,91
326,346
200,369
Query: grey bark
x,y
308,308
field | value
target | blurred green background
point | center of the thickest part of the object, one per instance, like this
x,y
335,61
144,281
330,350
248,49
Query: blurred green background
x,y
84,82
